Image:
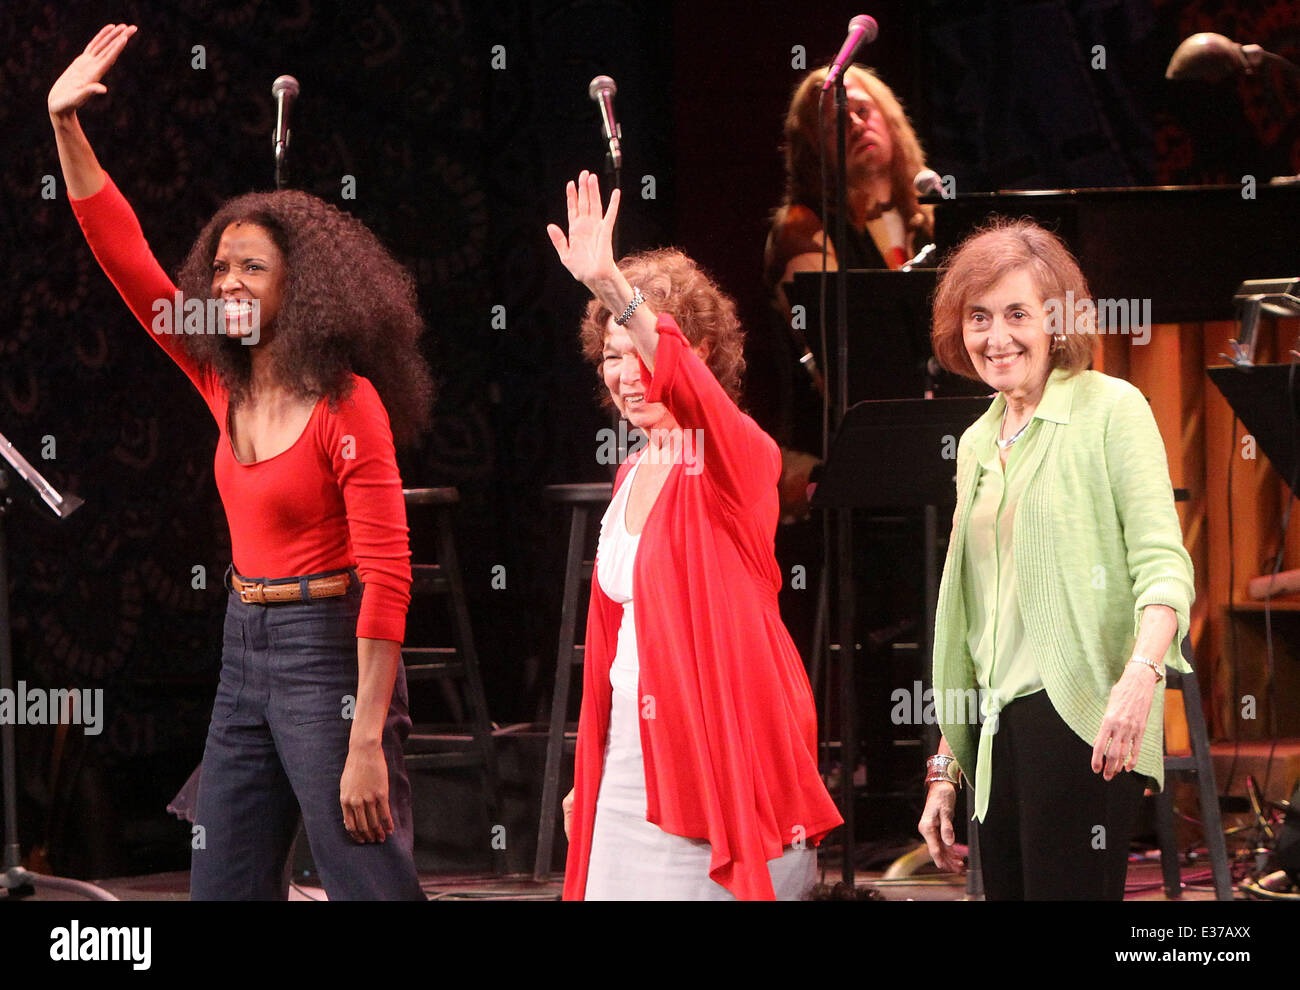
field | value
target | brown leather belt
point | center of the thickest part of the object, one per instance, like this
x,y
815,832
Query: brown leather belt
x,y
263,593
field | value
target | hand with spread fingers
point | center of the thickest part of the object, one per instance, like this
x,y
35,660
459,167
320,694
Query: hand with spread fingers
x,y
81,80
587,252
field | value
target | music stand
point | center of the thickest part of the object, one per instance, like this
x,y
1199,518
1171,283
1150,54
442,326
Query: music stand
x,y
16,880
1262,399
891,453
889,329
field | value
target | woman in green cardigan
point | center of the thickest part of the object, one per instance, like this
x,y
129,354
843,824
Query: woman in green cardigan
x,y
1066,589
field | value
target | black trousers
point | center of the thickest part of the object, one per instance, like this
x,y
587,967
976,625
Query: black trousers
x,y
1054,829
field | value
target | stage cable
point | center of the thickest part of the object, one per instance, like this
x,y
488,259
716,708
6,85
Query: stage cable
x,y
1232,624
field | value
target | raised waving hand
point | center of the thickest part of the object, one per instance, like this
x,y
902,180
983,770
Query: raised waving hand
x,y
587,252
81,80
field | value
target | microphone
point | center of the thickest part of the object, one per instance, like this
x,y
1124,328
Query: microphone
x,y
862,29
922,259
284,91
602,90
928,181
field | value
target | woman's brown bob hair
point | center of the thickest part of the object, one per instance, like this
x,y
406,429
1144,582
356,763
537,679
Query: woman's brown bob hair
x,y
981,261
674,284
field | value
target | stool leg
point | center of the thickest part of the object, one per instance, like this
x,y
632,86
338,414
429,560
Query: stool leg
x,y
465,649
820,620
1209,793
564,661
1168,844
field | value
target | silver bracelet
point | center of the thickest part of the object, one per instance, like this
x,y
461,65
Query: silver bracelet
x,y
1157,667
939,768
637,300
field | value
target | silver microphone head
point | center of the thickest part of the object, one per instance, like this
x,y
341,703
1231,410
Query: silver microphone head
x,y
1206,56
284,84
927,181
600,85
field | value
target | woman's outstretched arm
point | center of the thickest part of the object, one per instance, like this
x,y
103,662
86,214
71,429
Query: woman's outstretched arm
x,y
110,226
79,82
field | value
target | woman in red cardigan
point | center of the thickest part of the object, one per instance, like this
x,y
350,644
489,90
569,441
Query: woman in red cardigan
x,y
282,302
696,770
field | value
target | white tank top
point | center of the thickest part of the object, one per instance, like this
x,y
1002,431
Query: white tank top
x,y
615,556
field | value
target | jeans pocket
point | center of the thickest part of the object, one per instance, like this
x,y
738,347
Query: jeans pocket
x,y
316,664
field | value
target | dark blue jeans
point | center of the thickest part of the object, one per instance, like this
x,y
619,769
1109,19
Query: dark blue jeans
x,y
277,744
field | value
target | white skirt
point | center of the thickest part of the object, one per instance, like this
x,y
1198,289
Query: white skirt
x,y
632,859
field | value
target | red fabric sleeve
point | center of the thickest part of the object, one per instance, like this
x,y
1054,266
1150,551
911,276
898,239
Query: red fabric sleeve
x,y
359,441
119,245
733,452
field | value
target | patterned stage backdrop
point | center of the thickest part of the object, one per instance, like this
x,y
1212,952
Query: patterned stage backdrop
x,y
449,128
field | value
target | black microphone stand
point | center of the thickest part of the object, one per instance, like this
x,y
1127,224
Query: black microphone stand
x,y
280,145
614,180
843,525
16,880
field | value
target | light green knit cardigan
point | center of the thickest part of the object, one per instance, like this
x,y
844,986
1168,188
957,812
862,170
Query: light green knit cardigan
x,y
1096,540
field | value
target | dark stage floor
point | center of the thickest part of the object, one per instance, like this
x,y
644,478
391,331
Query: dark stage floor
x,y
1143,885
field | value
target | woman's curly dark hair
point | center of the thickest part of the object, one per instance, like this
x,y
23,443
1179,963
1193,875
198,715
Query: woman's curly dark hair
x,y
348,307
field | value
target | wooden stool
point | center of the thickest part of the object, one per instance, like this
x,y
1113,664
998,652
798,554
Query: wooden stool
x,y
1200,764
467,742
560,738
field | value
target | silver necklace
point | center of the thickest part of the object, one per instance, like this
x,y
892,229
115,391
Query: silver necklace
x,y
1006,444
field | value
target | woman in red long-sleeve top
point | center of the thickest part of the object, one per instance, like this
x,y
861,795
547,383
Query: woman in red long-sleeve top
x,y
696,770
282,301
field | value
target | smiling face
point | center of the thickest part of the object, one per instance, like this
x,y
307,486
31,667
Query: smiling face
x,y
1002,329
248,266
621,371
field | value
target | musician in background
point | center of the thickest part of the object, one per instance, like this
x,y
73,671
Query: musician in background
x,y
886,225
